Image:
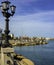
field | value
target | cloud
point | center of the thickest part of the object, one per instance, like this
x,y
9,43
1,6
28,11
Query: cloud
x,y
41,24
32,17
38,24
47,16
24,7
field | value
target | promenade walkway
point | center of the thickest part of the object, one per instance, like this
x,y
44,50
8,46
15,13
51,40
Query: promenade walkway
x,y
13,58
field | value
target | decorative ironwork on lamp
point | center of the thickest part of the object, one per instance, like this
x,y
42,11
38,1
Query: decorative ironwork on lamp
x,y
7,11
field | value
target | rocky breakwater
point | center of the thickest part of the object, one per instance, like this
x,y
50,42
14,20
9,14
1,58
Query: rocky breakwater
x,y
27,41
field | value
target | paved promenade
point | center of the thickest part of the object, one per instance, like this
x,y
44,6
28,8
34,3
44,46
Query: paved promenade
x,y
17,58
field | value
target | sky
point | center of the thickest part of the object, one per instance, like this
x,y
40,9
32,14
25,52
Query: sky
x,y
32,18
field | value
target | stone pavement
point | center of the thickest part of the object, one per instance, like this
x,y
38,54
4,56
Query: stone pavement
x,y
17,58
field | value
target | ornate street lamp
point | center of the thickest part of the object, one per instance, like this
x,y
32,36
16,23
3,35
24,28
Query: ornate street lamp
x,y
0,38
7,11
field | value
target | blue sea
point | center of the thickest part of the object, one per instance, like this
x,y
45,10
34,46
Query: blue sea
x,y
39,54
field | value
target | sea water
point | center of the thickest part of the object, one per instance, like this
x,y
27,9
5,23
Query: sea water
x,y
39,54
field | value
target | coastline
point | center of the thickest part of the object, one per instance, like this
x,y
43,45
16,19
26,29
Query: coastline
x,y
20,43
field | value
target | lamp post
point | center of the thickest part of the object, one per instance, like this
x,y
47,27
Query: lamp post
x,y
7,11
0,37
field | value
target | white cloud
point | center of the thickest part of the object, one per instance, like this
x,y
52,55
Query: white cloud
x,y
34,24
30,24
36,16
